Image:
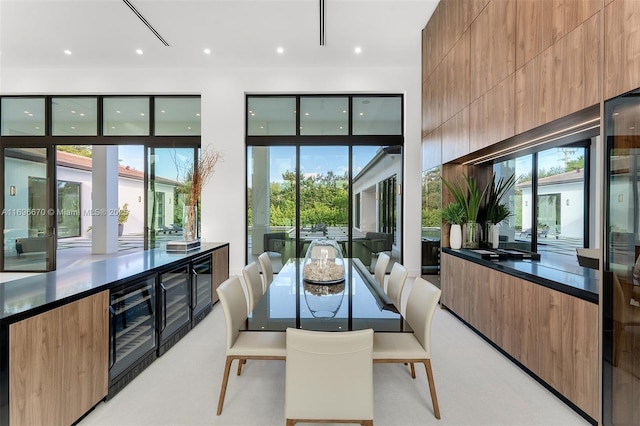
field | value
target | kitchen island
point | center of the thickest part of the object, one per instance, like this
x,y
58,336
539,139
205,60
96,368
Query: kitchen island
x,y
57,330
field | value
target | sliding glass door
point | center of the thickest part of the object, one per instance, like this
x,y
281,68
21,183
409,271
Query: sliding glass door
x,y
29,210
297,194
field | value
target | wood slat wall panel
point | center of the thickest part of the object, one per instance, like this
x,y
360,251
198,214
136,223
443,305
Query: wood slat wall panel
x,y
456,20
456,69
533,29
492,115
576,83
492,46
433,37
433,95
455,136
621,47
432,149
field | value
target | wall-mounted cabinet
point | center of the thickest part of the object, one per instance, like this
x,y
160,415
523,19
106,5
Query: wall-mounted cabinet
x,y
521,64
621,47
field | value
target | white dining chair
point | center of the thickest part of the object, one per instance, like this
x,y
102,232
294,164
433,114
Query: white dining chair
x,y
395,284
243,345
253,284
267,270
329,377
410,348
380,271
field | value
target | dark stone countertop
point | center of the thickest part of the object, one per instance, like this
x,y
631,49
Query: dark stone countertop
x,y
577,281
24,297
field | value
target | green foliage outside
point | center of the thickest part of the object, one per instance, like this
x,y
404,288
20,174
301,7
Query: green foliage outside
x,y
82,150
323,199
431,198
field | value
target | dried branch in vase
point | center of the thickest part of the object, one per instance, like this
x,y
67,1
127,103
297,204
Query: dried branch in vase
x,y
201,174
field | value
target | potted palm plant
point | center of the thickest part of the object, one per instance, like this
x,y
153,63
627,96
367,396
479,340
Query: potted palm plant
x,y
469,195
453,214
123,216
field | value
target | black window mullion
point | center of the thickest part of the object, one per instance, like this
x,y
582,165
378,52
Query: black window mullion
x,y
534,202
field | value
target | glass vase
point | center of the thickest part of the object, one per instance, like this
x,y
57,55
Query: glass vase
x,y
471,235
190,221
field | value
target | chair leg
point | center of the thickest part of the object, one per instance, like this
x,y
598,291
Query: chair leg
x,y
241,362
367,423
291,422
225,379
413,370
432,388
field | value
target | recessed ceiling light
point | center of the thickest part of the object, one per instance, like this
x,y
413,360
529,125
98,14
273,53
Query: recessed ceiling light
x,y
117,112
82,114
362,113
188,127
197,114
73,127
280,50
37,127
67,52
73,111
139,51
306,113
162,111
358,50
26,112
344,111
616,113
207,51
142,114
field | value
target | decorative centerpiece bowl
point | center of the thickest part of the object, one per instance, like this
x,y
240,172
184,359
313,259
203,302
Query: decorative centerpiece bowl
x,y
323,263
324,280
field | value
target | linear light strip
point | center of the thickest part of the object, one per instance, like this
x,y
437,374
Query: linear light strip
x,y
144,20
536,141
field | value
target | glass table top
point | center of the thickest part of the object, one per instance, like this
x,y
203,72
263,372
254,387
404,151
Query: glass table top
x,y
354,304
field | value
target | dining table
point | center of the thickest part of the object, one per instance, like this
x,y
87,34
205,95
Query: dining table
x,y
354,303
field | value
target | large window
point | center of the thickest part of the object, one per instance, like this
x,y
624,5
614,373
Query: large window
x,y
324,166
135,125
549,202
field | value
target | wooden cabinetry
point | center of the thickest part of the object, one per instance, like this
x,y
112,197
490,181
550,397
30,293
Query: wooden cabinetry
x,y
492,46
520,64
621,47
553,334
220,269
58,362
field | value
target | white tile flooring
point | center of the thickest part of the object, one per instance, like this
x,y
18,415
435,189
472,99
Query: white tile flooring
x,y
476,385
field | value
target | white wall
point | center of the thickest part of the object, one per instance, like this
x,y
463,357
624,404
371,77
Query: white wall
x,y
223,93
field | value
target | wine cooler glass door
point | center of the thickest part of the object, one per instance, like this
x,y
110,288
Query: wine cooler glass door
x,y
132,325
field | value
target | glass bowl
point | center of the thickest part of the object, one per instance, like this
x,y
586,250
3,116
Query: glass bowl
x,y
323,263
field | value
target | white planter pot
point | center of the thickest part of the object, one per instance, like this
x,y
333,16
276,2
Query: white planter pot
x,y
455,237
495,236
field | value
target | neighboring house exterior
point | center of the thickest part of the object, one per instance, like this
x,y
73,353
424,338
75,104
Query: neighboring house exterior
x,y
75,187
562,193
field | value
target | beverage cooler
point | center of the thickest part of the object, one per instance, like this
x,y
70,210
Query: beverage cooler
x,y
132,332
621,278
174,306
201,280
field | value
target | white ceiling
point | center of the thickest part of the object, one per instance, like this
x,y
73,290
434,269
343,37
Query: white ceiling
x,y
240,33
